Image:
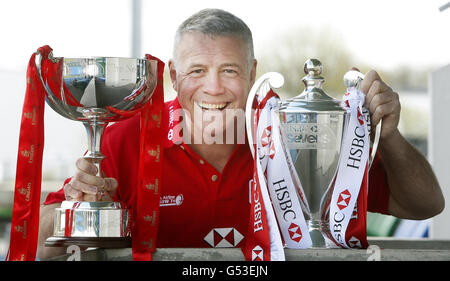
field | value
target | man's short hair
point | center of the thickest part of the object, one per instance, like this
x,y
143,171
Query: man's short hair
x,y
216,22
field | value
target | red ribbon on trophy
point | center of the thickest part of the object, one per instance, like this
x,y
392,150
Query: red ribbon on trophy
x,y
263,241
348,206
274,174
145,227
27,192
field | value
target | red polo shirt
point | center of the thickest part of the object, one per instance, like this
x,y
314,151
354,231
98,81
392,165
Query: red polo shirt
x,y
200,207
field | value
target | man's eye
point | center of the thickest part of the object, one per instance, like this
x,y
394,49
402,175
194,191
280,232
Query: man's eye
x,y
230,72
196,71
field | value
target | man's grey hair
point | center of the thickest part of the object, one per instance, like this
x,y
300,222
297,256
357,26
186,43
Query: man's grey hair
x,y
216,22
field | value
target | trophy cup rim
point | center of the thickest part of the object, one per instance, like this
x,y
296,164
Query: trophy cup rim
x,y
63,108
102,57
55,58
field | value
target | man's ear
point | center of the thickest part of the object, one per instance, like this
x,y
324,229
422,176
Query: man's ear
x,y
173,74
253,72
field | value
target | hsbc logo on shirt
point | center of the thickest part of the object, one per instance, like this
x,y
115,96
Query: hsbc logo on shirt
x,y
223,237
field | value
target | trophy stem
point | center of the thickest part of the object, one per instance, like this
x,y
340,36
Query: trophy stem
x,y
94,129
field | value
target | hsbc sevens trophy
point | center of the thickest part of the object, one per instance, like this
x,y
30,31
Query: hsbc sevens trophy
x,y
95,91
313,126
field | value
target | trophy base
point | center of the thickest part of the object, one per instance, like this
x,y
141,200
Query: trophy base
x,y
91,220
317,230
317,239
89,242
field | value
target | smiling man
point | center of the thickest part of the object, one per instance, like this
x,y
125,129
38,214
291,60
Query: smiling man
x,y
212,75
207,164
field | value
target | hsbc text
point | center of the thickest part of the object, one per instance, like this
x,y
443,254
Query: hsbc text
x,y
284,200
356,149
338,217
257,224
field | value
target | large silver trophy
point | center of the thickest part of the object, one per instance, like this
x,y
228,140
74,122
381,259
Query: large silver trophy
x,y
101,90
312,127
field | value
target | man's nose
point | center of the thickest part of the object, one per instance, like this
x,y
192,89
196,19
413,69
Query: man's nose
x,y
213,84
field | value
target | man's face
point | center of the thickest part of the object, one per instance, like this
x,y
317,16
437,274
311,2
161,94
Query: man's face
x,y
211,74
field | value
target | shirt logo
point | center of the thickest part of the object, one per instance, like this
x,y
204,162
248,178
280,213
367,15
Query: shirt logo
x,y
171,200
223,237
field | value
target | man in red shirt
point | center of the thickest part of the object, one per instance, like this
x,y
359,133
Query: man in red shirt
x,y
205,184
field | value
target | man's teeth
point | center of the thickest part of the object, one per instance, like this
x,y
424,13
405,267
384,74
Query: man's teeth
x,y
212,106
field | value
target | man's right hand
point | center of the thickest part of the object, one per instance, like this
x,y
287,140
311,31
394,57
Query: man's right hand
x,y
85,185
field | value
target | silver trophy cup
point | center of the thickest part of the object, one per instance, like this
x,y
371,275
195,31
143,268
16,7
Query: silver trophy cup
x,y
96,91
312,126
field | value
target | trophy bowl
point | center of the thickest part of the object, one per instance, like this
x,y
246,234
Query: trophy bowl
x,y
95,91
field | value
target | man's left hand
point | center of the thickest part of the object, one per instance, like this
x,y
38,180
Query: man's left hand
x,y
383,103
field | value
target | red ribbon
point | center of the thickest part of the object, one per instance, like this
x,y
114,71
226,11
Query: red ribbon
x,y
27,193
357,226
145,228
257,245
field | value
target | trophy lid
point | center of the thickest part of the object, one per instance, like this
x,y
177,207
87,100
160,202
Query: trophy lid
x,y
313,98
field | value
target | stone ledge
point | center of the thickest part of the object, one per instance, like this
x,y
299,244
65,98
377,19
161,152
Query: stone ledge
x,y
389,250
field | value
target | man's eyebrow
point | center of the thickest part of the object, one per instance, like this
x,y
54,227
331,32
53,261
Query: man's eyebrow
x,y
230,64
236,65
189,67
196,65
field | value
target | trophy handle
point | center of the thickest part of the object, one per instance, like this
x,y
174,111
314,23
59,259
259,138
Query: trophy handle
x,y
58,104
264,83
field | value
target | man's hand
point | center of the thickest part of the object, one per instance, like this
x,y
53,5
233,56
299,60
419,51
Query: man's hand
x,y
383,103
86,186
414,190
